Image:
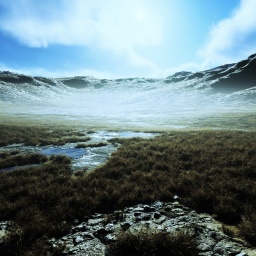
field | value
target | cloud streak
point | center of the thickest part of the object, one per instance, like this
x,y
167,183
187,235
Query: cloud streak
x,y
115,26
233,38
107,24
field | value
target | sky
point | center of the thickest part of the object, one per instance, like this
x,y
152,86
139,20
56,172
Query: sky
x,y
124,38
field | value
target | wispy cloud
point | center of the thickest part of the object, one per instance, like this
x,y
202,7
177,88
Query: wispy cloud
x,y
233,38
58,73
115,26
100,23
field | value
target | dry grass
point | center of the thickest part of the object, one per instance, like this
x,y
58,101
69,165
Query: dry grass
x,y
92,145
210,171
154,243
11,159
35,135
248,227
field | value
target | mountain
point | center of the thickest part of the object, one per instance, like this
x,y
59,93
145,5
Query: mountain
x,y
226,78
227,88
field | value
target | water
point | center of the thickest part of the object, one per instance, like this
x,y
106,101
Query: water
x,y
91,157
82,158
70,152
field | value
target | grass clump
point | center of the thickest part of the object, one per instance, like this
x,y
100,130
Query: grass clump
x,y
37,135
38,200
95,145
229,230
11,159
247,227
154,243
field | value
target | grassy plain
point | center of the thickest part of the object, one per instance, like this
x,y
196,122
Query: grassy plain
x,y
212,171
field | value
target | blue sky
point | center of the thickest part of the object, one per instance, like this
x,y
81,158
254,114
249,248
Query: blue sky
x,y
124,38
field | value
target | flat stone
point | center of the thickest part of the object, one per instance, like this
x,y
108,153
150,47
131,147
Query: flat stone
x,y
242,254
95,221
160,220
138,209
89,248
78,240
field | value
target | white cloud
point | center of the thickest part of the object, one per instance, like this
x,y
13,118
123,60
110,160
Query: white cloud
x,y
233,38
107,24
58,73
113,25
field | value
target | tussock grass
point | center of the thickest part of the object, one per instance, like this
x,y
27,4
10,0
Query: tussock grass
x,y
248,227
37,135
229,230
210,171
92,145
11,159
154,243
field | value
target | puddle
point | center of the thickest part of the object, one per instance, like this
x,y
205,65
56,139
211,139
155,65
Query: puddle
x,y
74,153
94,157
105,135
82,158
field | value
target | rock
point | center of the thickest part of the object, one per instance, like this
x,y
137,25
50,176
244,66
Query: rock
x,y
170,217
175,197
160,220
95,221
242,254
148,208
5,227
78,240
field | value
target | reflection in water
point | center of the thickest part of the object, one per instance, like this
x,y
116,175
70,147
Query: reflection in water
x,y
82,158
70,152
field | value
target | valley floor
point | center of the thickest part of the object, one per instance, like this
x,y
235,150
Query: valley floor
x,y
208,166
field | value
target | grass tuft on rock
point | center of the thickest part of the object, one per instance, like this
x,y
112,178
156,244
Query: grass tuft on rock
x,y
248,227
154,243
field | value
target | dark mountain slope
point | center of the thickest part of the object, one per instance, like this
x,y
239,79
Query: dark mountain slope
x,y
227,79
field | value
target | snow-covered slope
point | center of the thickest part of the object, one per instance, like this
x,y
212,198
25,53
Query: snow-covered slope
x,y
226,88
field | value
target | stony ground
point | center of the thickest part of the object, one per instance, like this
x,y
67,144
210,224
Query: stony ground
x,y
92,236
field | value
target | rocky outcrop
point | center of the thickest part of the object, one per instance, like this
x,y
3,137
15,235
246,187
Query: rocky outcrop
x,y
92,236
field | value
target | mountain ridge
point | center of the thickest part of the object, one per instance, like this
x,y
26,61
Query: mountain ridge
x,y
230,83
228,77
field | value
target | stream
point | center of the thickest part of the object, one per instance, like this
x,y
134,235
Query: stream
x,y
82,158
